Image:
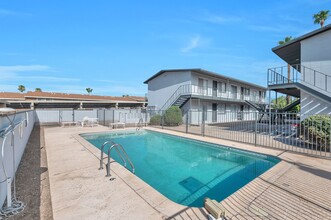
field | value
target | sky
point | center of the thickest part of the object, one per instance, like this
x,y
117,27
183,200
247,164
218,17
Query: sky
x,y
114,46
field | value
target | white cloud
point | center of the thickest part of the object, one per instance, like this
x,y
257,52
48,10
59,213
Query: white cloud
x,y
22,68
23,73
192,44
5,12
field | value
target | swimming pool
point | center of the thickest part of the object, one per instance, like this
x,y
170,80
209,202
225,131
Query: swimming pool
x,y
184,170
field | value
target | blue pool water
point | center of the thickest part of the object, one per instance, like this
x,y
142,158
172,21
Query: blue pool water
x,y
184,170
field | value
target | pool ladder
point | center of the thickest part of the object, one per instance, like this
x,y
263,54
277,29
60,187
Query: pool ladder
x,y
140,124
120,151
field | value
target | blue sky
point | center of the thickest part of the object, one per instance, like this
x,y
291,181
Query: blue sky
x,y
113,46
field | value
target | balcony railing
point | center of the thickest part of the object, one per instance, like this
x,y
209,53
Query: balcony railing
x,y
210,92
299,74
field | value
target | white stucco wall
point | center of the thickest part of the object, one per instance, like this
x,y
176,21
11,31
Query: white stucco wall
x,y
311,105
21,137
162,87
316,54
226,111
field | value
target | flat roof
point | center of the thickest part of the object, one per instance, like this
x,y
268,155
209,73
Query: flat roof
x,y
204,72
290,52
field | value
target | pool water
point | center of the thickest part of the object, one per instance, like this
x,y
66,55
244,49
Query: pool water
x,y
184,170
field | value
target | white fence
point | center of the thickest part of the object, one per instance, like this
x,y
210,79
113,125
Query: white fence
x,y
24,123
56,116
105,116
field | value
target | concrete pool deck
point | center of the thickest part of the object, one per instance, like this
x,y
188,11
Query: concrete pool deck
x,y
296,188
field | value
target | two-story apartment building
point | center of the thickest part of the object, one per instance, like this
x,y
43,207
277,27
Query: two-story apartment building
x,y
202,90
309,57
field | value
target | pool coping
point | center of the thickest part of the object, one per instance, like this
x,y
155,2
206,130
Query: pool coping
x,y
153,197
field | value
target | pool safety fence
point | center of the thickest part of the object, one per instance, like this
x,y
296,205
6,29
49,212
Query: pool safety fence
x,y
302,133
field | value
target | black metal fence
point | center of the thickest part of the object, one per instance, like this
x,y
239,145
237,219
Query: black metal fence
x,y
308,134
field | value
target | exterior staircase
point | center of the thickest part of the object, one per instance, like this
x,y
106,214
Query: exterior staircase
x,y
184,92
302,78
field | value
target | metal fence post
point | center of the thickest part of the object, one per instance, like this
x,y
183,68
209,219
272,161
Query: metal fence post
x,y
162,120
146,116
203,122
255,133
186,129
104,117
73,115
60,117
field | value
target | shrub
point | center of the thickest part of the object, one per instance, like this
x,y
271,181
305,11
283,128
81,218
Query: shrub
x,y
173,116
155,120
316,129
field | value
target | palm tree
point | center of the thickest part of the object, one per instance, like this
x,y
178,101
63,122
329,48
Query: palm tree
x,y
37,90
89,90
21,88
320,17
287,39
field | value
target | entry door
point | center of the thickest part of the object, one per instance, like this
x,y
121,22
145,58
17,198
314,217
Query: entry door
x,y
214,114
242,93
260,95
214,88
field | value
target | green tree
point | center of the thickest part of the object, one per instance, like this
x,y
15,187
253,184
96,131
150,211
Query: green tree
x,y
321,17
37,90
21,88
281,103
89,90
287,39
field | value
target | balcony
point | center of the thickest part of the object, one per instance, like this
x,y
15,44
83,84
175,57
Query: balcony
x,y
289,80
181,95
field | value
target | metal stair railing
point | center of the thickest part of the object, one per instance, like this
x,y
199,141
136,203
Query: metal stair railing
x,y
190,89
299,74
179,91
120,151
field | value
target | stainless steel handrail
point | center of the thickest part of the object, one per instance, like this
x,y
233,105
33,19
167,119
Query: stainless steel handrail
x,y
101,157
120,151
124,153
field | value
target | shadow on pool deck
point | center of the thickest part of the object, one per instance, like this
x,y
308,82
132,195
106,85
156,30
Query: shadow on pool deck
x,y
32,181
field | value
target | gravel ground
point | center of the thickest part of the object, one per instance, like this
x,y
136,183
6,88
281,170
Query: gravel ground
x,y
32,181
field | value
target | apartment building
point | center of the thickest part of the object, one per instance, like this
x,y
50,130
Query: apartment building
x,y
202,90
308,76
